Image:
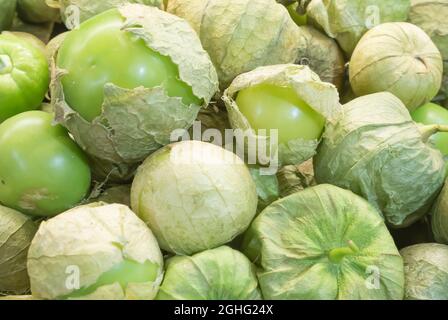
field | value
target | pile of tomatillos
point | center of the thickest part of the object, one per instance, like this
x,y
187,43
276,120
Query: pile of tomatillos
x,y
224,149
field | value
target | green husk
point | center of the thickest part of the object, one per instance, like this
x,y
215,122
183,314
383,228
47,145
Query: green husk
x,y
323,55
241,35
426,271
210,275
378,152
324,243
16,233
92,239
399,58
430,15
194,196
74,12
439,220
348,20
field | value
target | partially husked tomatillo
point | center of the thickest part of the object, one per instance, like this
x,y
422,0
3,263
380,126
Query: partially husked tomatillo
x,y
125,80
95,251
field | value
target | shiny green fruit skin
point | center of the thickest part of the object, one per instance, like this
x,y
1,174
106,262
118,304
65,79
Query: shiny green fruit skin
x,y
42,171
99,52
299,19
268,106
432,113
24,76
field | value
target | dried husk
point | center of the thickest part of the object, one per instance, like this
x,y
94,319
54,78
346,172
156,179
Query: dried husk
x,y
348,20
74,12
241,35
94,238
431,16
399,58
378,152
322,97
136,122
16,233
323,55
210,275
295,178
426,271
292,241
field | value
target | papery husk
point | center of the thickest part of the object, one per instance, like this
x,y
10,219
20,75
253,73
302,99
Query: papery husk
x,y
210,275
439,218
378,152
93,238
348,20
241,35
291,241
431,16
74,12
16,233
323,55
426,271
399,58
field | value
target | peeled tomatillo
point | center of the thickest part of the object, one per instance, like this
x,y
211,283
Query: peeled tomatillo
x,y
42,171
268,106
99,52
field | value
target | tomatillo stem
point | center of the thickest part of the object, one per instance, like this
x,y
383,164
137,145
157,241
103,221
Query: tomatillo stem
x,y
5,64
429,130
337,254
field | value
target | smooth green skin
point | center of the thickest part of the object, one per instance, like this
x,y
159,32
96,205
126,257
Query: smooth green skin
x,y
24,76
28,37
299,19
7,9
268,106
126,272
42,171
432,113
99,52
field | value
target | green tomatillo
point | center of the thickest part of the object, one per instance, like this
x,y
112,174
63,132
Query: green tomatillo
x,y
24,76
130,63
432,113
42,171
290,103
268,106
125,80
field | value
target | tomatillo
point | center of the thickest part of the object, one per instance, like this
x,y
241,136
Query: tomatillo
x,y
24,76
432,113
100,52
42,171
268,106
